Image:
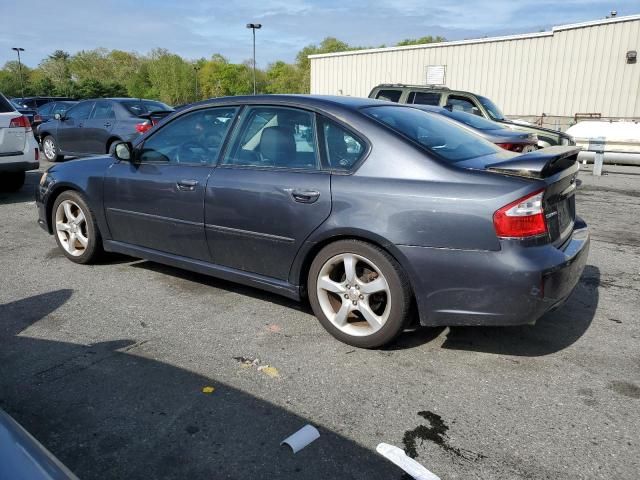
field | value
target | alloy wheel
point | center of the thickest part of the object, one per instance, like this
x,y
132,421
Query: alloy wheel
x,y
71,228
354,294
49,148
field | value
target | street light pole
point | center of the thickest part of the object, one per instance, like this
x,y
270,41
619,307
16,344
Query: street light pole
x,y
19,49
197,69
254,27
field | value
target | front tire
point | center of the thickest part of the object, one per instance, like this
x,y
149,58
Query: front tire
x,y
359,293
12,181
75,228
51,150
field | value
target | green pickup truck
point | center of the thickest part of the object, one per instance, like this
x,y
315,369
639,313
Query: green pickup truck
x,y
466,102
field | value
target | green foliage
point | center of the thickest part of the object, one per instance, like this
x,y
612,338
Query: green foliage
x,y
164,75
421,40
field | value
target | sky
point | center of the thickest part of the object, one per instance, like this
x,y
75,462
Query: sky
x,y
199,28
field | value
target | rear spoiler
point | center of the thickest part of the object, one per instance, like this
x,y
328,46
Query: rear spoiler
x,y
538,164
155,117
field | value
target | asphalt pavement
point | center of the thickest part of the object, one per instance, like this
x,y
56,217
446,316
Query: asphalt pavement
x,y
106,366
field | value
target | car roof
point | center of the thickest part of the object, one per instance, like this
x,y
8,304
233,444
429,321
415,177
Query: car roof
x,y
423,87
352,103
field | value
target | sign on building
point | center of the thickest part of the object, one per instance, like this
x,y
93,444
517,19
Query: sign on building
x,y
435,74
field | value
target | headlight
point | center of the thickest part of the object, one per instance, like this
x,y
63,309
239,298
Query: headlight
x,y
44,178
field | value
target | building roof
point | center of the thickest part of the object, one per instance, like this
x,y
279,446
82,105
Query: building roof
x,y
559,28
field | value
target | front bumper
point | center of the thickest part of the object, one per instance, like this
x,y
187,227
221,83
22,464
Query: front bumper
x,y
513,286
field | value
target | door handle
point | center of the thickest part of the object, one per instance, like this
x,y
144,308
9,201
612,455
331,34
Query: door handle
x,y
187,185
305,196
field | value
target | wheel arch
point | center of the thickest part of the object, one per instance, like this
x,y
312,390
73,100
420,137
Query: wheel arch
x,y
56,191
300,269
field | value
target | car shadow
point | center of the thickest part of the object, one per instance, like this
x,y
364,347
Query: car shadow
x,y
26,194
186,275
555,331
112,410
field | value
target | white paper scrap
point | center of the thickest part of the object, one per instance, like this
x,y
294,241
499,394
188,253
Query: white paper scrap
x,y
302,438
409,465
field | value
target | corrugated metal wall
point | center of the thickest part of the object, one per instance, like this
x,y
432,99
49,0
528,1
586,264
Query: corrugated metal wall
x,y
573,69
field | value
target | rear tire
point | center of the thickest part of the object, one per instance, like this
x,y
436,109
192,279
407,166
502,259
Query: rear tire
x,y
359,293
75,228
12,181
50,149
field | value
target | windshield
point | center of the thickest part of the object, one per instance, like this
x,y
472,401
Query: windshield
x,y
474,121
144,107
494,112
436,134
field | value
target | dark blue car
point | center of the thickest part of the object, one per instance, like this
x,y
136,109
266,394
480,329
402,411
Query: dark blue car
x,y
92,126
364,207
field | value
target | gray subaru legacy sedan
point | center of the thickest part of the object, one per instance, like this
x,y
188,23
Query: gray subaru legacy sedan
x,y
364,207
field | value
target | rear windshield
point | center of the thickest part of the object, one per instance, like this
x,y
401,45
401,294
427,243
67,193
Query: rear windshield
x,y
494,112
5,105
474,121
436,134
144,107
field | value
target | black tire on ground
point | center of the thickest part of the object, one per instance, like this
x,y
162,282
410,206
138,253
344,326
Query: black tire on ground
x,y
399,287
55,157
11,181
93,250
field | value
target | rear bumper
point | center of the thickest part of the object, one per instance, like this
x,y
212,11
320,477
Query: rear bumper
x,y
17,165
513,286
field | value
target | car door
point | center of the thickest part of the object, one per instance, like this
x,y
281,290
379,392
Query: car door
x,y
98,127
70,132
269,192
156,201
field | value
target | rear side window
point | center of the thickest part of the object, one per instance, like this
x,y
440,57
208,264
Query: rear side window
x,y
343,148
424,98
275,137
434,133
5,105
389,95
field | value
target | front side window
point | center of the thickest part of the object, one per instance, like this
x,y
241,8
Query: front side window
x,y
80,111
389,95
462,104
424,98
276,137
343,148
194,138
103,111
436,134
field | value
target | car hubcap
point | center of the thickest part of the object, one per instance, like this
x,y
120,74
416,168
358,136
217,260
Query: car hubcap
x,y
71,228
353,294
49,149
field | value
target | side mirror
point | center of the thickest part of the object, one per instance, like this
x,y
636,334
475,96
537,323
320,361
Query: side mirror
x,y
122,151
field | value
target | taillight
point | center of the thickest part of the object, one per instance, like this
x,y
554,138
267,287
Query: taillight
x,y
20,122
144,126
514,147
522,218
37,154
37,119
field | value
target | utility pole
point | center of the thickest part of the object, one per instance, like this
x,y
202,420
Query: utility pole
x,y
197,69
254,27
19,49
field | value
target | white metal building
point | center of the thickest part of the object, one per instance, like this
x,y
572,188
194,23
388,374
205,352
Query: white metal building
x,y
580,68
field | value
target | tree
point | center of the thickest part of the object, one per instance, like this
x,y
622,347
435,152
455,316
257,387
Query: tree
x,y
282,77
421,40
